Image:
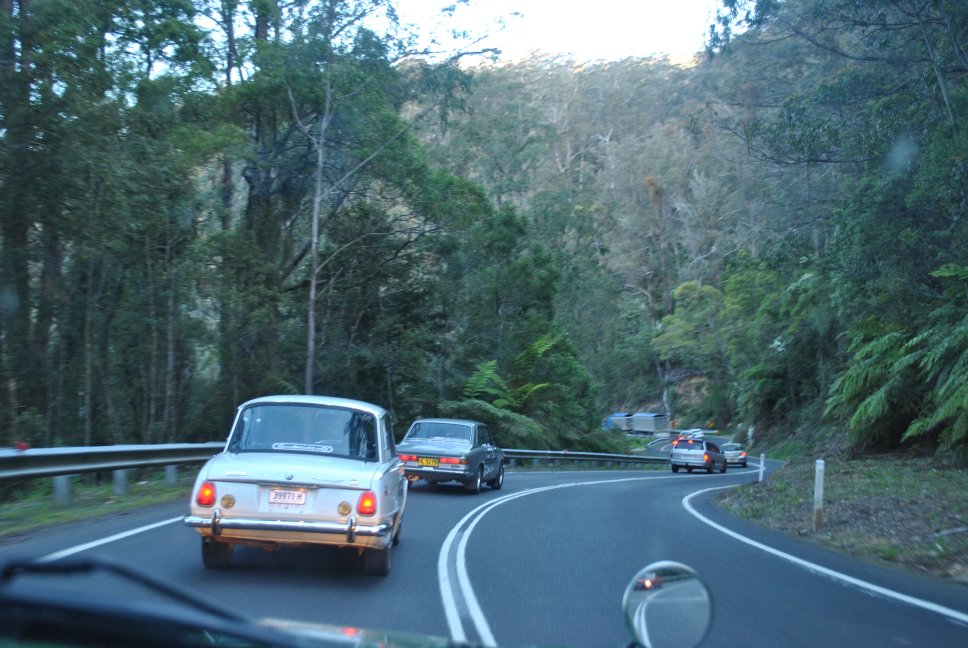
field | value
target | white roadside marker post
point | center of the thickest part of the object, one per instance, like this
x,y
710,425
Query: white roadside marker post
x,y
818,496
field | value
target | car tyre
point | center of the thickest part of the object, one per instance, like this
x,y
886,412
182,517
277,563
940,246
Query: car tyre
x,y
216,555
474,485
709,467
723,469
688,469
498,481
376,562
675,468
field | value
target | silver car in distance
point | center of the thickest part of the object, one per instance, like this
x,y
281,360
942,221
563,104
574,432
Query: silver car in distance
x,y
302,470
441,450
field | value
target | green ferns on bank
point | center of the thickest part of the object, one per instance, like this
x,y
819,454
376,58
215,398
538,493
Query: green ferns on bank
x,y
904,386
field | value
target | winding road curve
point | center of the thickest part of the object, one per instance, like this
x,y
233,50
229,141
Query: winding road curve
x,y
544,561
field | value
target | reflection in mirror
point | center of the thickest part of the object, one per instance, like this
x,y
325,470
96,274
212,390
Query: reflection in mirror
x,y
667,605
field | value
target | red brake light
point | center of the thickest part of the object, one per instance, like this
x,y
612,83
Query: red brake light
x,y
705,456
367,504
408,457
206,494
454,461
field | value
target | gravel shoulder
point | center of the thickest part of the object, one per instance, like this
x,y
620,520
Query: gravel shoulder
x,y
908,513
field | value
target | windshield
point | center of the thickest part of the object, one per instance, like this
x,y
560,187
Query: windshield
x,y
436,430
305,428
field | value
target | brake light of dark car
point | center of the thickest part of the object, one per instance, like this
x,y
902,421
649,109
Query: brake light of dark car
x,y
367,504
206,494
454,461
705,456
408,457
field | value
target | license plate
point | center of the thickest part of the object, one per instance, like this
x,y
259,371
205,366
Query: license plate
x,y
428,461
279,496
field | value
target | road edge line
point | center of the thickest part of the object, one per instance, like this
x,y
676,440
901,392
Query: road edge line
x,y
70,551
821,570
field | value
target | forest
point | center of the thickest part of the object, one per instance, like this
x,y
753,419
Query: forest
x,y
204,201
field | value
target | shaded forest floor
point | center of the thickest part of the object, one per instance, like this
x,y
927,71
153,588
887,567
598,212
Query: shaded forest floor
x,y
911,513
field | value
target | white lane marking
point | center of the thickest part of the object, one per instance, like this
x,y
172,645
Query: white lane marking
x,y
824,571
464,588
57,555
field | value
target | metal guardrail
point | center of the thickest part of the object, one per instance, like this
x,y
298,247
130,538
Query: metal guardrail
x,y
594,457
52,462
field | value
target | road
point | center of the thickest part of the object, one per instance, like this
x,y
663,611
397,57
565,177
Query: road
x,y
545,561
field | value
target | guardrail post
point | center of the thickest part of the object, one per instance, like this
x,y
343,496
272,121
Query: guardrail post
x,y
120,482
62,489
762,465
171,475
536,463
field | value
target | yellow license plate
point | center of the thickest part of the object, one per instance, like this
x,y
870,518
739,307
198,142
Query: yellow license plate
x,y
428,461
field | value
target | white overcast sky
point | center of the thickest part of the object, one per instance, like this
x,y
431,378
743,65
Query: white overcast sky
x,y
589,30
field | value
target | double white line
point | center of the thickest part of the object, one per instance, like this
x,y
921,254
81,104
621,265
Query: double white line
x,y
456,591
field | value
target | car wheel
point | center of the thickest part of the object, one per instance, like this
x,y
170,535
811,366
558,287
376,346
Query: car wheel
x,y
688,469
216,555
709,468
675,468
498,481
723,469
376,562
396,534
474,485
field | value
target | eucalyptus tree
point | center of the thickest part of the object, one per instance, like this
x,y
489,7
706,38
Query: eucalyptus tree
x,y
88,92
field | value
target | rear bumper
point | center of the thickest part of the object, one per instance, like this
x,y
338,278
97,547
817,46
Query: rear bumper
x,y
349,533
461,474
688,462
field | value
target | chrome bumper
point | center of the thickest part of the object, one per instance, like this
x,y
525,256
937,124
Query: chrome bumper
x,y
425,472
350,530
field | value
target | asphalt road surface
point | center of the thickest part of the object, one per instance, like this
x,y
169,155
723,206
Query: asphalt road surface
x,y
543,561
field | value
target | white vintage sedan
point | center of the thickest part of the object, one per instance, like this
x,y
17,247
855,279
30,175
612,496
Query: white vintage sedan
x,y
302,470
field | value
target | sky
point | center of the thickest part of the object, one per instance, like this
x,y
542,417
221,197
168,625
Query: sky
x,y
595,30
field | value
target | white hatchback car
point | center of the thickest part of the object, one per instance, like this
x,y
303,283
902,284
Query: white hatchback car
x,y
302,470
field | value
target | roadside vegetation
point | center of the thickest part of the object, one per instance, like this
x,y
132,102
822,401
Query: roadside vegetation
x,y
900,511
29,504
205,202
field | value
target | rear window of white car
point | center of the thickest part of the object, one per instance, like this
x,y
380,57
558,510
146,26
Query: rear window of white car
x,y
312,429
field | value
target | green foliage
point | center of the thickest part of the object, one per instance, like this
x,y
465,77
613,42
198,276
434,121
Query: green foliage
x,y
534,243
511,429
559,408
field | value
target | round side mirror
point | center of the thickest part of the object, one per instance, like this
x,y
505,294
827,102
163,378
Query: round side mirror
x,y
667,605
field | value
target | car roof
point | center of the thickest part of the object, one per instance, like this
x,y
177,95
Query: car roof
x,y
447,420
324,401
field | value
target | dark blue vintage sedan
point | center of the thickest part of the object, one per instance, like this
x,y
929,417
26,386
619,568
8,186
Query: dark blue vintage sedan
x,y
442,450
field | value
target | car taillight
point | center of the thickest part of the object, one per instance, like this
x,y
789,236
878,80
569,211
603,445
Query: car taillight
x,y
206,494
705,456
743,453
367,503
454,461
408,457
